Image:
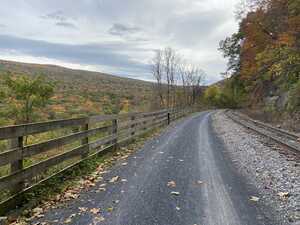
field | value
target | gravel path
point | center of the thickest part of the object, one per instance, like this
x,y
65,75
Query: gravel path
x,y
182,177
276,175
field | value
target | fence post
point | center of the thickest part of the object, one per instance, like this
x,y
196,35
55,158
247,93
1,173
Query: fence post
x,y
18,164
85,141
168,117
145,123
115,132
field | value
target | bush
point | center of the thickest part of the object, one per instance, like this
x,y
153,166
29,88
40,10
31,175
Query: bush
x,y
294,98
230,95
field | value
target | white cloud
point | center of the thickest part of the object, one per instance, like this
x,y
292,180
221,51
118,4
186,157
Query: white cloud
x,y
136,27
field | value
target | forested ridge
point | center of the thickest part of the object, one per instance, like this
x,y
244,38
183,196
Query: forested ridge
x,y
263,58
76,93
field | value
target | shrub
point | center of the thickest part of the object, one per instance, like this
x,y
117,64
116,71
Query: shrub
x,y
294,98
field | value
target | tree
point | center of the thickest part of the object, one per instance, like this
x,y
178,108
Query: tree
x,y
231,49
157,71
211,95
170,59
165,69
264,56
177,81
25,95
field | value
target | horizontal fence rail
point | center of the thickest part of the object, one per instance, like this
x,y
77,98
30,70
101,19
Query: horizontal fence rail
x,y
74,140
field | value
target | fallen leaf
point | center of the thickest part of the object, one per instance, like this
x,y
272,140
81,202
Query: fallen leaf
x,y
70,195
37,210
254,199
99,219
283,194
175,193
114,179
95,210
199,182
171,184
83,209
110,209
102,189
124,180
116,201
68,220
177,208
124,164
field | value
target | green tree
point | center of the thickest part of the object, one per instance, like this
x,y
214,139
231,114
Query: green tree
x,y
211,95
231,49
24,96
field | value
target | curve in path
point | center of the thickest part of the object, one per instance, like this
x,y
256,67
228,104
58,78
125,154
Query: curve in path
x,y
182,177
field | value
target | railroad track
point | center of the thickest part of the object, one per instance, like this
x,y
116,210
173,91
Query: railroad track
x,y
289,139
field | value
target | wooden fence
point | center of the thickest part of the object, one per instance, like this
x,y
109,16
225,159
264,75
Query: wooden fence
x,y
93,135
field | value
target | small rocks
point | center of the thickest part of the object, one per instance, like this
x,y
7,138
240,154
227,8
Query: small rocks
x,y
276,175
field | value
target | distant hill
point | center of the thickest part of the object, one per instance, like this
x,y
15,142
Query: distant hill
x,y
80,92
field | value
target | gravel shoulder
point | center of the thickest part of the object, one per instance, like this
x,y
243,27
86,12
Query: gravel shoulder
x,y
275,175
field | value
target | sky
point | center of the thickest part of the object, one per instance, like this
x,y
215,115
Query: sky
x,y
116,36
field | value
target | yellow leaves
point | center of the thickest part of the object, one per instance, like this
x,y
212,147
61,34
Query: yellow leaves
x,y
276,69
110,209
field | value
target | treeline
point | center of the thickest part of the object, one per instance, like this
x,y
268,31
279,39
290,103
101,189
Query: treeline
x,y
264,55
178,82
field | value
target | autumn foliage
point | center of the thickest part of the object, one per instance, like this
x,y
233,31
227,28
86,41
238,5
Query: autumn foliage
x,y
265,53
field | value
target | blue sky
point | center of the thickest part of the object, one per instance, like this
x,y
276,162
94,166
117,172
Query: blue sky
x,y
116,36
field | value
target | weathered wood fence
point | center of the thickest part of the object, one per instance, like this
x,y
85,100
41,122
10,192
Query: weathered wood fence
x,y
93,135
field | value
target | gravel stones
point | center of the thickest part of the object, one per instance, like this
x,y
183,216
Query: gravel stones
x,y
275,175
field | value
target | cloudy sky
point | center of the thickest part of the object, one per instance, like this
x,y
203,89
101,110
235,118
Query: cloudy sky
x,y
115,36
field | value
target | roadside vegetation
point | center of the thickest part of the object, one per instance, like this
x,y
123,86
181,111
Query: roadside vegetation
x,y
77,93
264,60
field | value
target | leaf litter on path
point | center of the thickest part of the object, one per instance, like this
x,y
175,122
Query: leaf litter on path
x,y
171,184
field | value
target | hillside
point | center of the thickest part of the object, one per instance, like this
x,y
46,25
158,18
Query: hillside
x,y
79,92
